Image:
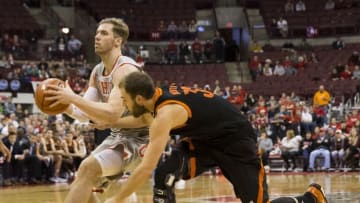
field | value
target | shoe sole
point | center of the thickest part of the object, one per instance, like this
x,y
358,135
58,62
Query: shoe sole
x,y
318,187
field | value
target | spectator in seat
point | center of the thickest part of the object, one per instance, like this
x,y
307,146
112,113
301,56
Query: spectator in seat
x,y
265,146
184,52
267,70
338,44
219,47
307,123
162,30
346,74
282,26
171,52
289,67
356,73
338,146
289,7
208,50
334,75
172,30
274,30
307,147
329,5
300,6
290,146
74,46
15,169
183,30
192,30
255,47
255,67
279,69
354,59
32,161
301,63
197,50
352,152
321,148
313,58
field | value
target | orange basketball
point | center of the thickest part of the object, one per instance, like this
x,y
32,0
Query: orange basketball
x,y
44,105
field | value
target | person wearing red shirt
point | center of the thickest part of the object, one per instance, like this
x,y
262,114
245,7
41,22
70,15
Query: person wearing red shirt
x,y
255,67
346,74
197,50
171,52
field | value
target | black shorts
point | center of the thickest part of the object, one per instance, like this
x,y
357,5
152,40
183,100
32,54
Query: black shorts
x,y
239,163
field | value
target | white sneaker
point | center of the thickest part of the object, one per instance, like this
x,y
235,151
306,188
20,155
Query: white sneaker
x,y
267,169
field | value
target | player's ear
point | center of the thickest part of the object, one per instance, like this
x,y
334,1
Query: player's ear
x,y
118,42
139,99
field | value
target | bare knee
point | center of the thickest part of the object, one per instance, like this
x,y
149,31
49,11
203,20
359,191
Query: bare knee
x,y
89,169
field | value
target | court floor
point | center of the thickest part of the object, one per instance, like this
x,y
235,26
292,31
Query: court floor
x,y
339,187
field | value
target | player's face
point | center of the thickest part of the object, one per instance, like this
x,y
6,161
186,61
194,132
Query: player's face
x,y
104,38
135,108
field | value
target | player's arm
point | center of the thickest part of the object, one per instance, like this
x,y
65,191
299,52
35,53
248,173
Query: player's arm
x,y
96,111
90,94
126,122
168,117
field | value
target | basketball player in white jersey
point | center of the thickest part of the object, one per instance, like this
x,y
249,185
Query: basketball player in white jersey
x,y
124,147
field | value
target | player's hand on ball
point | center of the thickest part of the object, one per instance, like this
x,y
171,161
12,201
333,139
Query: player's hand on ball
x,y
60,95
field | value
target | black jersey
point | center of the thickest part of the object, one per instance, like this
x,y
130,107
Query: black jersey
x,y
210,117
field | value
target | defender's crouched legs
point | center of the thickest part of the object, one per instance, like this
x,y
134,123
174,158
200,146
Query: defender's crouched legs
x,y
167,173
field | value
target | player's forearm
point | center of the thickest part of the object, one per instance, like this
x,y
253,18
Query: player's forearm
x,y
97,111
129,122
137,179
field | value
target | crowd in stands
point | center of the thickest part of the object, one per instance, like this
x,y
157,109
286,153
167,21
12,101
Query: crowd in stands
x,y
36,148
298,58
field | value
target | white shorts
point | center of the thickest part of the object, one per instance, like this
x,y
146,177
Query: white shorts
x,y
119,153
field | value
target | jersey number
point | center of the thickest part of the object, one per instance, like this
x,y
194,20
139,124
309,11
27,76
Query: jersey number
x,y
173,90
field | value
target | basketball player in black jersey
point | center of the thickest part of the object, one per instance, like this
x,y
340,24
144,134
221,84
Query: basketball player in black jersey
x,y
213,133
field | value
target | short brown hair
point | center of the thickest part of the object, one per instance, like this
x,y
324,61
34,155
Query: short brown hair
x,y
138,83
120,28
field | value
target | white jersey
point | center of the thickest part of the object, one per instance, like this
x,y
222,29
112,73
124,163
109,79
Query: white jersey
x,y
131,139
103,83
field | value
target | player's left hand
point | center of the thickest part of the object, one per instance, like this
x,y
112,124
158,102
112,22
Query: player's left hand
x,y
60,95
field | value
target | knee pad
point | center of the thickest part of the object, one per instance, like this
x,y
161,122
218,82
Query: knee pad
x,y
171,170
164,196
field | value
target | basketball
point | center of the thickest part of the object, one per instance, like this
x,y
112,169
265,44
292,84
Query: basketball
x,y
44,105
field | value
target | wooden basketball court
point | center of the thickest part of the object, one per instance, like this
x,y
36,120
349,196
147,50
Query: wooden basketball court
x,y
339,187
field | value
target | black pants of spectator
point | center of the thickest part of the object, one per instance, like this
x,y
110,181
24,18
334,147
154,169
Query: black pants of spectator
x,y
33,167
265,158
306,155
197,57
5,170
286,155
253,74
47,169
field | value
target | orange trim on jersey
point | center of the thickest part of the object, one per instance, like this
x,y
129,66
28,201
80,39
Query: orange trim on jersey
x,y
187,108
157,94
192,158
260,197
